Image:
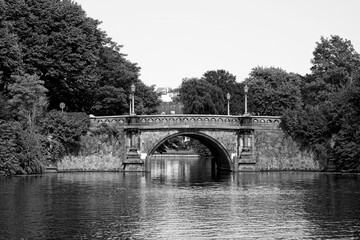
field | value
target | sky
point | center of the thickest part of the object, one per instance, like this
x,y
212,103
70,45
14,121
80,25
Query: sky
x,y
175,39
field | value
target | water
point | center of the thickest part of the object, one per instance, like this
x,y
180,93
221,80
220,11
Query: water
x,y
181,199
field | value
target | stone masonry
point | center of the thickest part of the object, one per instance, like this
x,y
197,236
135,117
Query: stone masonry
x,y
239,143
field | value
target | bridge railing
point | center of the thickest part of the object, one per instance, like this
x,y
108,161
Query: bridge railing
x,y
119,120
265,121
187,121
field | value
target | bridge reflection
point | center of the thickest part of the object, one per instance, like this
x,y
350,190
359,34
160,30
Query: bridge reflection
x,y
179,168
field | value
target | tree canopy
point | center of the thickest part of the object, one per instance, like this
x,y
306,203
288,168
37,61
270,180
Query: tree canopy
x,y
66,49
335,65
328,122
208,94
227,83
200,96
52,52
272,90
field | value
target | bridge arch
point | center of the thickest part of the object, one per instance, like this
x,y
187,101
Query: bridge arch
x,y
218,151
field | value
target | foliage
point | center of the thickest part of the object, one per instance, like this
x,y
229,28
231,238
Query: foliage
x,y
309,127
201,97
175,143
220,78
67,50
328,122
27,98
31,155
346,140
335,60
10,54
176,98
9,162
24,104
146,99
51,52
106,129
58,43
65,128
178,143
272,91
227,83
200,148
21,150
4,108
115,75
335,64
110,101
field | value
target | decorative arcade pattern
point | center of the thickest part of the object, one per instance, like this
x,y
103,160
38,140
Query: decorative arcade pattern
x,y
189,121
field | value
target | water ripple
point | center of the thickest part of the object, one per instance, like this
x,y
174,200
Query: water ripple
x,y
193,204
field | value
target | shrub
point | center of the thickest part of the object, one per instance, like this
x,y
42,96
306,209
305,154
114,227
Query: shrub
x,y
64,131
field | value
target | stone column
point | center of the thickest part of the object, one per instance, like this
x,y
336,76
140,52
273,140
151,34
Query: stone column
x,y
133,161
147,164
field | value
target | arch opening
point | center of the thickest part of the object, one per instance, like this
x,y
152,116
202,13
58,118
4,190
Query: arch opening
x,y
218,151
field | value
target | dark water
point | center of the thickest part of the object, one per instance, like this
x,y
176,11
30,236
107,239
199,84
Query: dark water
x,y
181,199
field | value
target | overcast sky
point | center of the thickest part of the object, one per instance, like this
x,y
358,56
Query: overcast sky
x,y
175,39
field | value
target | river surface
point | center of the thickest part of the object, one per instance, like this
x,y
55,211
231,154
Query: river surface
x,y
182,198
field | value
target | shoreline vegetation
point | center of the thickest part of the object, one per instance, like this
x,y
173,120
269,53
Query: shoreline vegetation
x,y
52,54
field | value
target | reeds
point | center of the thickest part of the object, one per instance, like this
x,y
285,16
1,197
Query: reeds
x,y
106,162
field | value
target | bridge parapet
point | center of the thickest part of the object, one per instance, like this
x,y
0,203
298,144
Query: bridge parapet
x,y
265,122
188,121
121,120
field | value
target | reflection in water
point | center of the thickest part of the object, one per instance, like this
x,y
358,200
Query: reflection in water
x,y
180,199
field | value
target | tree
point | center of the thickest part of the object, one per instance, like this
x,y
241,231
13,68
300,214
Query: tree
x,y
328,122
28,99
9,158
115,77
10,55
4,108
110,100
209,94
58,43
227,83
309,127
346,136
68,51
27,102
65,128
175,143
220,78
335,64
51,52
146,99
273,90
201,97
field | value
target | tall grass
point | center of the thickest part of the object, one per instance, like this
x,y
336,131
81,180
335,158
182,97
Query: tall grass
x,y
106,162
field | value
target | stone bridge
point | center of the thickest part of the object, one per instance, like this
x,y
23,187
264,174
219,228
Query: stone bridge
x,y
237,143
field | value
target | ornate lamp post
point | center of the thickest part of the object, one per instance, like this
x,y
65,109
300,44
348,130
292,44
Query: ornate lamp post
x,y
246,89
132,104
62,106
228,103
133,161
